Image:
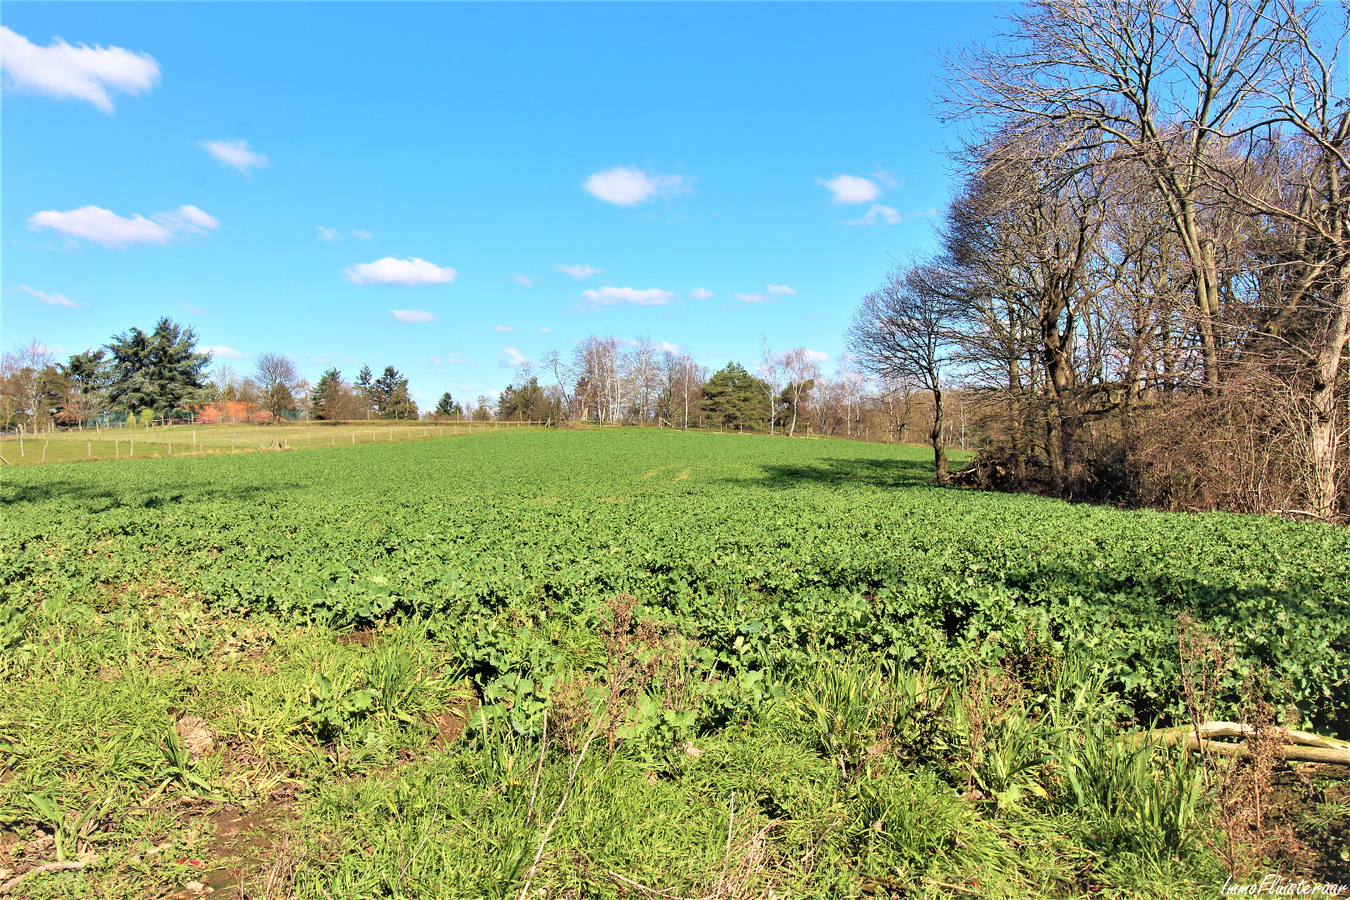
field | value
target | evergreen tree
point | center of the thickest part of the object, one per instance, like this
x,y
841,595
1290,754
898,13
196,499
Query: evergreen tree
x,y
158,372
390,397
733,396
365,389
447,406
325,401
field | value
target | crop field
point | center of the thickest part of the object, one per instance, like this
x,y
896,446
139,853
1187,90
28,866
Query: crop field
x,y
642,664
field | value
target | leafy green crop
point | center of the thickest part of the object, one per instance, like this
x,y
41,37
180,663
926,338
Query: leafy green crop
x,y
773,556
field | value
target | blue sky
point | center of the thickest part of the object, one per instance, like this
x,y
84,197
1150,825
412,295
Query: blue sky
x,y
451,187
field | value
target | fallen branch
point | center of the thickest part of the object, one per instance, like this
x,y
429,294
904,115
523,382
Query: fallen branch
x,y
45,867
1300,746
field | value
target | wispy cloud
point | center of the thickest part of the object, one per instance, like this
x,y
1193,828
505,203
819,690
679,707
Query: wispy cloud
x,y
545,330
236,154
780,290
524,280
84,72
412,316
410,272
877,215
51,299
220,351
817,357
699,293
103,226
195,310
754,298
453,359
328,234
851,188
503,328
510,357
608,296
362,234
629,185
671,348
578,271
885,177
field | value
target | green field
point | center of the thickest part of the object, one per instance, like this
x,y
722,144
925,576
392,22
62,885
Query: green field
x,y
165,441
629,663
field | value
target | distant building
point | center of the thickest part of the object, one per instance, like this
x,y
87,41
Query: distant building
x,y
233,411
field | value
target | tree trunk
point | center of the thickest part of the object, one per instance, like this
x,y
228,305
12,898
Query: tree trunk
x,y
1323,436
935,436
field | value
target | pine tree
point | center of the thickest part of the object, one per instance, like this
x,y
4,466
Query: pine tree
x,y
325,401
159,371
446,406
733,395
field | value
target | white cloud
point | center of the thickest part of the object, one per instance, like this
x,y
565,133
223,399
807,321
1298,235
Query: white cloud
x,y
607,296
851,189
237,154
816,356
503,328
223,352
629,185
52,299
885,177
186,218
103,226
671,348
780,290
545,330
578,271
410,271
363,235
453,360
877,215
753,298
84,72
510,357
701,293
412,316
524,280
195,310
328,234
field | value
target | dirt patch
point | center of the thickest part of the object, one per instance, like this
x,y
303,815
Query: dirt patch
x,y
1312,800
450,724
244,842
357,639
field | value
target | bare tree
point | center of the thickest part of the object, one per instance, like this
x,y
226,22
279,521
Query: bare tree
x,y
1155,81
801,372
277,380
904,331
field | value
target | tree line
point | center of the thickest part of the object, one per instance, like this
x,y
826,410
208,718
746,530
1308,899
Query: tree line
x,y
161,376
1143,282
613,381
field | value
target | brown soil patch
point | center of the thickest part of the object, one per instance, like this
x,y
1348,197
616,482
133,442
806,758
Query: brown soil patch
x,y
1319,848
450,724
244,841
357,639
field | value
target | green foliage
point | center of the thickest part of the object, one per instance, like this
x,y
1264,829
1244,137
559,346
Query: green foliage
x,y
155,372
447,406
735,397
805,669
776,555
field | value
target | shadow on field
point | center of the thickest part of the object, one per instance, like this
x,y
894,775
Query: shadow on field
x,y
98,498
871,472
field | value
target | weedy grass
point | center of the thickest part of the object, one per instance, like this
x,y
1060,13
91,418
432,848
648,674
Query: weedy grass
x,y
621,665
